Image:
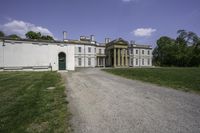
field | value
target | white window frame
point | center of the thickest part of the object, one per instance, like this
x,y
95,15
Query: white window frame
x,y
79,62
148,62
142,61
89,61
142,51
79,49
89,49
136,51
136,61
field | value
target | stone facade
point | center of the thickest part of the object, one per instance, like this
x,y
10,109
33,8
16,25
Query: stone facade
x,y
23,54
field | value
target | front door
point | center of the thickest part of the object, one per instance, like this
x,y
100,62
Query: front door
x,y
62,61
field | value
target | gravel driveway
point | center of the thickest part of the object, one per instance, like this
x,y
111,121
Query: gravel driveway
x,y
104,103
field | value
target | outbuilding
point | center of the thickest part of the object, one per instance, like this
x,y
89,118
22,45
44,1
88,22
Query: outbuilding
x,y
36,55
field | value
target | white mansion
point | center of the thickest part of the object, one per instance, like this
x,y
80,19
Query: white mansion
x,y
25,54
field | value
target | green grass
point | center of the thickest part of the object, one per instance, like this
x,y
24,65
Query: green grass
x,y
187,79
27,106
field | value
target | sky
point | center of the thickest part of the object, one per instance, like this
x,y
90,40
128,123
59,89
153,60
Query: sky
x,y
143,21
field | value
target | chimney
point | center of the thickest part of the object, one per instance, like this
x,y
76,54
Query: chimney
x,y
64,35
92,38
132,42
107,40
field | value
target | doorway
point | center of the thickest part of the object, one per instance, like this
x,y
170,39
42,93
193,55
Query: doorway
x,y
62,61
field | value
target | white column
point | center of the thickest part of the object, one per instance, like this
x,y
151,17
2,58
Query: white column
x,y
118,63
126,57
122,57
114,57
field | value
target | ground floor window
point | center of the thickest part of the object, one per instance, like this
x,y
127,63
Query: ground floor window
x,y
89,61
131,61
79,61
142,61
148,62
136,62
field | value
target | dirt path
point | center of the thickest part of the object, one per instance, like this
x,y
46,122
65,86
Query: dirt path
x,y
104,103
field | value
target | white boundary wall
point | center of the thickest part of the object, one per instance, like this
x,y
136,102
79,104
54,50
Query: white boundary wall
x,y
34,54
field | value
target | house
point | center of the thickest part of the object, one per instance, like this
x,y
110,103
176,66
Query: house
x,y
35,55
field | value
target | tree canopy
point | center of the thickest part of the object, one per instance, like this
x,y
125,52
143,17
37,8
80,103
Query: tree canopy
x,y
38,36
182,51
14,36
2,34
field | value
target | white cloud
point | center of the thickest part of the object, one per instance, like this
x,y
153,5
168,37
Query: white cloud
x,y
21,28
143,32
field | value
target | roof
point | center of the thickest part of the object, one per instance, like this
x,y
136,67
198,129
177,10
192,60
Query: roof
x,y
69,41
118,41
140,46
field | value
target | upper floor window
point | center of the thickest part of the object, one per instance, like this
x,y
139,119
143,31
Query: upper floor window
x,y
148,52
95,50
142,51
79,49
136,52
131,51
89,49
99,51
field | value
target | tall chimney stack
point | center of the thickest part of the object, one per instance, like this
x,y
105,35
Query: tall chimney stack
x,y
107,40
92,38
64,35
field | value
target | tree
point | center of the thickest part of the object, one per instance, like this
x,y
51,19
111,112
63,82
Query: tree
x,y
14,36
33,35
47,38
2,34
164,53
183,51
38,36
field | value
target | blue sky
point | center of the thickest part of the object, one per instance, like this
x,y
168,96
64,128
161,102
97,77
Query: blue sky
x,y
143,21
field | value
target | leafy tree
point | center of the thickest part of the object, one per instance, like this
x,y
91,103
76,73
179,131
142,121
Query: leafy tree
x,y
182,51
14,36
46,37
2,34
33,35
38,36
165,51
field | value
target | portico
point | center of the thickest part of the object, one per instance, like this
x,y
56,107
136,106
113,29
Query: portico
x,y
117,53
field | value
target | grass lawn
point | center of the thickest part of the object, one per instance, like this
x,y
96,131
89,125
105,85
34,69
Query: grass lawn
x,y
27,106
187,79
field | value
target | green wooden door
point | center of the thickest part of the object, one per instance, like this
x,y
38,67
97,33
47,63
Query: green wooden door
x,y
62,61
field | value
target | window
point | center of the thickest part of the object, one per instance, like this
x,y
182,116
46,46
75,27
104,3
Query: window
x,y
89,61
99,51
142,51
142,61
148,61
79,49
131,62
131,51
79,61
136,52
94,50
148,52
89,49
136,62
